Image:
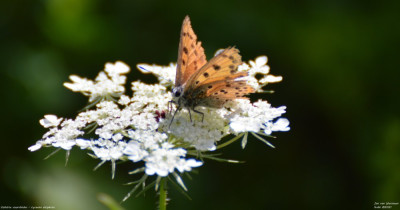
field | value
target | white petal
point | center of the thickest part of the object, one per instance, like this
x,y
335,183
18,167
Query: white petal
x,y
271,79
118,68
35,147
194,163
76,78
83,143
261,60
282,124
50,121
124,100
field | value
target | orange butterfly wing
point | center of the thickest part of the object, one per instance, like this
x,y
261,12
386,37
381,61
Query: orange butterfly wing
x,y
220,68
216,82
218,93
191,55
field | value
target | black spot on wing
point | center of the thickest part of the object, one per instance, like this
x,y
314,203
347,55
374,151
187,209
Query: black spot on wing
x,y
216,67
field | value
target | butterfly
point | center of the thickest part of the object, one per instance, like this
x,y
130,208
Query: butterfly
x,y
202,83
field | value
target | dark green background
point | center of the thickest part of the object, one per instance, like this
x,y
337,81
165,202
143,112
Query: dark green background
x,y
339,61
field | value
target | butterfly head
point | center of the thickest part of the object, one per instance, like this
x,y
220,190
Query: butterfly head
x,y
177,95
177,92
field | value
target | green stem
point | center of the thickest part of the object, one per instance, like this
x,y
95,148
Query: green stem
x,y
163,194
230,141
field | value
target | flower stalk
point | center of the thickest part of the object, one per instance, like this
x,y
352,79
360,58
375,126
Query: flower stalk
x,y
163,195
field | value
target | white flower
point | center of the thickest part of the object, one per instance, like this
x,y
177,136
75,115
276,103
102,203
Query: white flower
x,y
152,97
165,159
107,84
187,165
124,100
63,137
282,124
140,127
83,143
253,117
107,149
149,139
50,121
134,151
243,124
202,133
116,69
65,144
259,66
35,147
79,84
270,79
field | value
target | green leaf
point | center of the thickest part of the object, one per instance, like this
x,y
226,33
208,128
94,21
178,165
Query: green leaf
x,y
109,201
179,188
52,153
263,140
244,140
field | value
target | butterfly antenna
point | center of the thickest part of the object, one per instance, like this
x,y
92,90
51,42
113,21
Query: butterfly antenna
x,y
146,70
170,106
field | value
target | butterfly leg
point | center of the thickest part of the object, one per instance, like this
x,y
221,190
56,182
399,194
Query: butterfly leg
x,y
190,114
198,112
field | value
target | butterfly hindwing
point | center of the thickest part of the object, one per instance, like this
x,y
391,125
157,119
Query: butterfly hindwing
x,y
217,93
191,55
222,67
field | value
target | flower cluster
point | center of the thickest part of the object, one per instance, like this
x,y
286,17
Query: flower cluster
x,y
139,128
109,83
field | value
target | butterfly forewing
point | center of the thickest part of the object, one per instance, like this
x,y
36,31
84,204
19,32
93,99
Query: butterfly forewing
x,y
191,55
222,67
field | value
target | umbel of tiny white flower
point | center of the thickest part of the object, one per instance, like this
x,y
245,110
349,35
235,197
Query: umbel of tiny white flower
x,y
109,84
136,128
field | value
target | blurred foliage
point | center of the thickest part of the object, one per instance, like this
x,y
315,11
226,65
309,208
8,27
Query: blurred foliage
x,y
339,60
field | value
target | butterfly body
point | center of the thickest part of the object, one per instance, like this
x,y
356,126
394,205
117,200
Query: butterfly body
x,y
202,83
